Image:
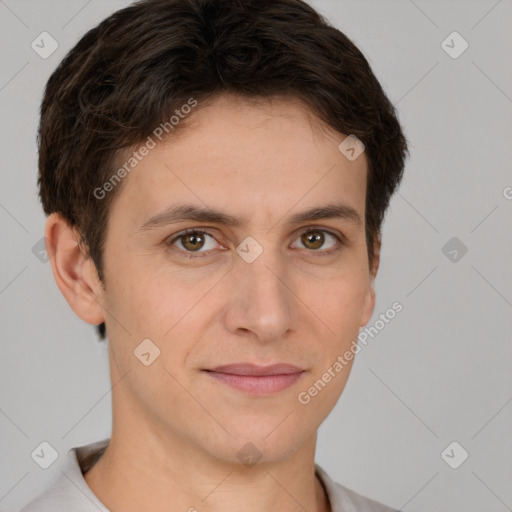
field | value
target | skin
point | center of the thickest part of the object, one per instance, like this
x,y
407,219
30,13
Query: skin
x,y
176,430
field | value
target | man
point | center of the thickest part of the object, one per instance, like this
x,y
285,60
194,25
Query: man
x,y
216,174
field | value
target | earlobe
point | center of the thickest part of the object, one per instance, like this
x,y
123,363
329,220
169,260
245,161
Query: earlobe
x,y
74,273
369,305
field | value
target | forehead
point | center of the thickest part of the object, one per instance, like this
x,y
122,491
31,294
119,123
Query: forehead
x,y
246,156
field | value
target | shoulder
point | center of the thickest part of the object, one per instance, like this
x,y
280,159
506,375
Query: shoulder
x,y
58,496
69,491
344,499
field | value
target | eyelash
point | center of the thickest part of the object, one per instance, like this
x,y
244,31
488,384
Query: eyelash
x,y
191,255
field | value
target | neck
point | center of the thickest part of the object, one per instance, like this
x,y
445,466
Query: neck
x,y
142,471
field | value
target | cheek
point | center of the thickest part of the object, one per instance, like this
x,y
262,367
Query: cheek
x,y
159,302
338,301
156,306
135,297
338,307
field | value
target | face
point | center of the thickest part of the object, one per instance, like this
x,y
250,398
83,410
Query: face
x,y
261,290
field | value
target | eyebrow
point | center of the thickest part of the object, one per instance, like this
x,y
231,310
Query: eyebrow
x,y
191,212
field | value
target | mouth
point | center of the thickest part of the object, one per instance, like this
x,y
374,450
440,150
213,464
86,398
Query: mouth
x,y
256,380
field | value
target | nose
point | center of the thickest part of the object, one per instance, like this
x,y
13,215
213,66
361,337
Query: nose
x,y
261,300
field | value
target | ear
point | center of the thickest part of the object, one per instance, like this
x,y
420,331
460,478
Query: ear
x,y
74,273
369,301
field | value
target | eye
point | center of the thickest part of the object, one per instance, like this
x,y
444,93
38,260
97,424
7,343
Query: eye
x,y
191,241
314,239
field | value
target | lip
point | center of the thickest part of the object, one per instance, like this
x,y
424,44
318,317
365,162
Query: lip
x,y
254,369
256,380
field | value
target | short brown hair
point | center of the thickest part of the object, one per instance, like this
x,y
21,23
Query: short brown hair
x,y
125,76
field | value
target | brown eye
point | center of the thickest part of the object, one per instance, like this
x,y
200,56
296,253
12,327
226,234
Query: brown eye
x,y
193,241
313,239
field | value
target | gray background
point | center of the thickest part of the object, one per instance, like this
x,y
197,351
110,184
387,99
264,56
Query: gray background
x,y
439,372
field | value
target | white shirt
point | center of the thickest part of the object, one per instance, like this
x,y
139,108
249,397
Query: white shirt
x,y
70,492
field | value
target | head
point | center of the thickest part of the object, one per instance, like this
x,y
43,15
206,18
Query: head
x,y
237,107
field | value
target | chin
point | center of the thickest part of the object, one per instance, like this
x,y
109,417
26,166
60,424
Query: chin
x,y
257,445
